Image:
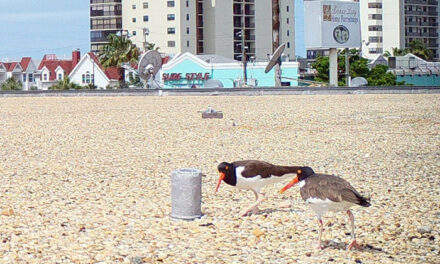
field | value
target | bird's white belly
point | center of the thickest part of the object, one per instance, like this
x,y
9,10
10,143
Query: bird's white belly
x,y
323,206
257,182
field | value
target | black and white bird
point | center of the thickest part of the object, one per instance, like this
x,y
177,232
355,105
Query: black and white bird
x,y
328,193
253,175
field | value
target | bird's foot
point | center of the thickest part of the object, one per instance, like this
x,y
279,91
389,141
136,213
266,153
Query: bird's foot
x,y
353,244
319,247
286,204
246,212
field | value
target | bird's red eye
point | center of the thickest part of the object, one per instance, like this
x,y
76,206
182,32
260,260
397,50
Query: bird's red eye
x,y
227,168
299,172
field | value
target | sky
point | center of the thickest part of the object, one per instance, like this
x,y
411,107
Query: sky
x,y
32,28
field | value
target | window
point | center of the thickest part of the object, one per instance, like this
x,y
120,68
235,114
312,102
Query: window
x,y
375,39
374,28
287,8
145,5
375,16
288,45
133,33
83,79
374,5
171,17
187,43
171,44
133,19
287,20
45,77
187,3
187,30
376,50
87,77
145,18
133,6
187,17
31,77
171,30
24,77
170,3
60,76
288,32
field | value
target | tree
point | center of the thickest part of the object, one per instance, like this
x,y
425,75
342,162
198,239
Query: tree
x,y
152,46
418,48
358,66
378,76
65,84
11,84
399,52
120,50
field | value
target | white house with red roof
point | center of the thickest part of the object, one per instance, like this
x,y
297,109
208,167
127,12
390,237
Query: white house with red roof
x,y
3,72
23,71
52,70
89,71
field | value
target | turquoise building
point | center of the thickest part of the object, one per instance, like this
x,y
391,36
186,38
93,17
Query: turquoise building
x,y
194,71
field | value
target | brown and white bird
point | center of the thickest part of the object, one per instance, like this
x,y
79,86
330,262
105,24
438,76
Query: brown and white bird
x,y
327,193
253,175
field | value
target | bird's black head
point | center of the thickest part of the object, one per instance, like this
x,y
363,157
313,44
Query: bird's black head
x,y
224,167
301,174
304,172
225,171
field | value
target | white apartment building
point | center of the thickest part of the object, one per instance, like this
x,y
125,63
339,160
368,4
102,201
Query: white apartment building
x,y
209,26
388,24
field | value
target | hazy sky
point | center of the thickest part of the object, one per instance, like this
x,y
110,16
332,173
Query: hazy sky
x,y
32,28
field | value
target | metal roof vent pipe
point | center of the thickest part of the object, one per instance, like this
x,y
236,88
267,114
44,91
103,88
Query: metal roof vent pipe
x,y
186,194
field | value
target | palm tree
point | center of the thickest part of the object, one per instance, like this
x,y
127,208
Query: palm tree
x,y
152,46
65,84
399,52
120,50
418,48
11,84
386,54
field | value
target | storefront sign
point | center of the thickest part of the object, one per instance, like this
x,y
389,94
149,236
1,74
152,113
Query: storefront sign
x,y
336,24
187,76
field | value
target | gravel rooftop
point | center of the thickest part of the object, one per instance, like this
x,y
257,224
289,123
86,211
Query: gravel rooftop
x,y
87,179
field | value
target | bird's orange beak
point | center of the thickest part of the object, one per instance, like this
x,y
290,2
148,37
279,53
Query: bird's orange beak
x,y
289,185
220,179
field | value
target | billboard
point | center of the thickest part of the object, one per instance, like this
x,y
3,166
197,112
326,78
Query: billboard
x,y
332,24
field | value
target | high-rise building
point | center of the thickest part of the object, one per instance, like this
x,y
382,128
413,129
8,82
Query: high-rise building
x,y
388,24
105,19
209,27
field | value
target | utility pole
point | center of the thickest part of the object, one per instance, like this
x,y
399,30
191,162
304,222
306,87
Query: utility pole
x,y
276,37
347,68
243,48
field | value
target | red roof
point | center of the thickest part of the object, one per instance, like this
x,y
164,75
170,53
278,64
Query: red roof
x,y
25,62
111,72
10,66
51,62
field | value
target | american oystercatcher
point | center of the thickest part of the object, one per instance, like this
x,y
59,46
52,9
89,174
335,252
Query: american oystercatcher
x,y
253,175
327,193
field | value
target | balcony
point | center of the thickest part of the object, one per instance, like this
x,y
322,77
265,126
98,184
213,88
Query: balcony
x,y
411,23
421,2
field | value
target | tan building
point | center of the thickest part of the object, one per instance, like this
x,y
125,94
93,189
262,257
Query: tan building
x,y
388,24
209,26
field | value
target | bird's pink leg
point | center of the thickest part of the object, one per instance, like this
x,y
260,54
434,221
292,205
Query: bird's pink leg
x,y
254,206
321,229
353,242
